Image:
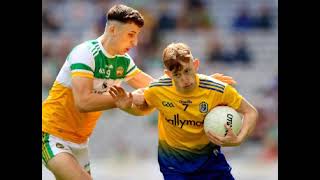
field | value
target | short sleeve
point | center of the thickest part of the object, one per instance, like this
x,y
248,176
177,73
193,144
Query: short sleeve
x,y
148,95
231,97
132,68
81,61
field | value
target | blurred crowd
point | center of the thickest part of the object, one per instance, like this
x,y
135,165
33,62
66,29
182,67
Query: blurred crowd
x,y
66,23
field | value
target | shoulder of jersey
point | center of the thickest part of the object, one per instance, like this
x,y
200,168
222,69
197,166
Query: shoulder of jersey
x,y
92,46
207,82
162,81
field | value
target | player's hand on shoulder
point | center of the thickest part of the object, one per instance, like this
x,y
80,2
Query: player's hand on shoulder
x,y
226,79
123,100
231,139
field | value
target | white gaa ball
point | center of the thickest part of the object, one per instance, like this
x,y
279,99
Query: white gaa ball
x,y
220,115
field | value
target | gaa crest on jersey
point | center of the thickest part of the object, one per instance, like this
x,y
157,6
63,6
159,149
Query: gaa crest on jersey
x,y
203,107
119,71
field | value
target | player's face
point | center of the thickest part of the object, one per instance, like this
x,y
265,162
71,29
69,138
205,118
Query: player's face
x,y
125,37
185,80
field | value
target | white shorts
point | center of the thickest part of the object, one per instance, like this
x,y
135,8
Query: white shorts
x,y
52,145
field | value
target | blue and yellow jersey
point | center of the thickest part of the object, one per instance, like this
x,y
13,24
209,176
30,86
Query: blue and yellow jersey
x,y
183,144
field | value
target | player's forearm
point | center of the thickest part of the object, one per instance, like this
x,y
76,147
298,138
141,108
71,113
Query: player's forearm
x,y
249,123
95,102
139,111
140,81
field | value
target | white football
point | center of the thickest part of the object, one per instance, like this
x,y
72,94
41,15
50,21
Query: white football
x,y
220,115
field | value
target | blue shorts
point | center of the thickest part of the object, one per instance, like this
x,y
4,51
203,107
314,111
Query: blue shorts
x,y
215,168
203,176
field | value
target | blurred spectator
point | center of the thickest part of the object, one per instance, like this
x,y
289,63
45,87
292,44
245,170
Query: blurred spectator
x,y
241,53
166,20
215,52
194,3
243,20
49,22
148,40
195,16
264,18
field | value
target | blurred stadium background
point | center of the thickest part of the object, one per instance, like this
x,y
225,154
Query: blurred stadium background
x,y
234,37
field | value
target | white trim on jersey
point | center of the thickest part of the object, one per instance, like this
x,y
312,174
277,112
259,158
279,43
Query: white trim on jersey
x,y
131,65
81,54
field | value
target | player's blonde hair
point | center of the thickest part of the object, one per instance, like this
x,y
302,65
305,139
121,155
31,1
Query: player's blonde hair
x,y
175,53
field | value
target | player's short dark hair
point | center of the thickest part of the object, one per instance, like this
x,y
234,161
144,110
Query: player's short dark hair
x,y
125,14
175,53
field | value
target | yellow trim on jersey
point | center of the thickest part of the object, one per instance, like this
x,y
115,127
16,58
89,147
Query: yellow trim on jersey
x,y
82,74
135,72
61,118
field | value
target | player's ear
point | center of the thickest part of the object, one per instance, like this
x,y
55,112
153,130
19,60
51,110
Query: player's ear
x,y
168,73
111,28
196,64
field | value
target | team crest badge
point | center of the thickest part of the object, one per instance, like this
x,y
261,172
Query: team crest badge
x,y
203,107
119,71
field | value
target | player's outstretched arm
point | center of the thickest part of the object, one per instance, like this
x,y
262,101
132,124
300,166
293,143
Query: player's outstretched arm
x,y
140,80
132,103
250,116
86,100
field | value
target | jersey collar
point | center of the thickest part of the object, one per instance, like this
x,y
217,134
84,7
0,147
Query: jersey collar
x,y
102,48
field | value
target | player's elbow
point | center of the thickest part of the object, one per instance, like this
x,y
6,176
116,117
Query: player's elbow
x,y
146,111
82,106
143,111
254,116
82,109
255,113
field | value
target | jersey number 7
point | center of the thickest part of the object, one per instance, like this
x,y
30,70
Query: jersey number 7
x,y
185,108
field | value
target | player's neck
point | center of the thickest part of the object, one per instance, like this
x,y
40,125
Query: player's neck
x,y
183,91
106,44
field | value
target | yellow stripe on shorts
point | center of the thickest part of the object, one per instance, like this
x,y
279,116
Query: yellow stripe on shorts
x,y
47,153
